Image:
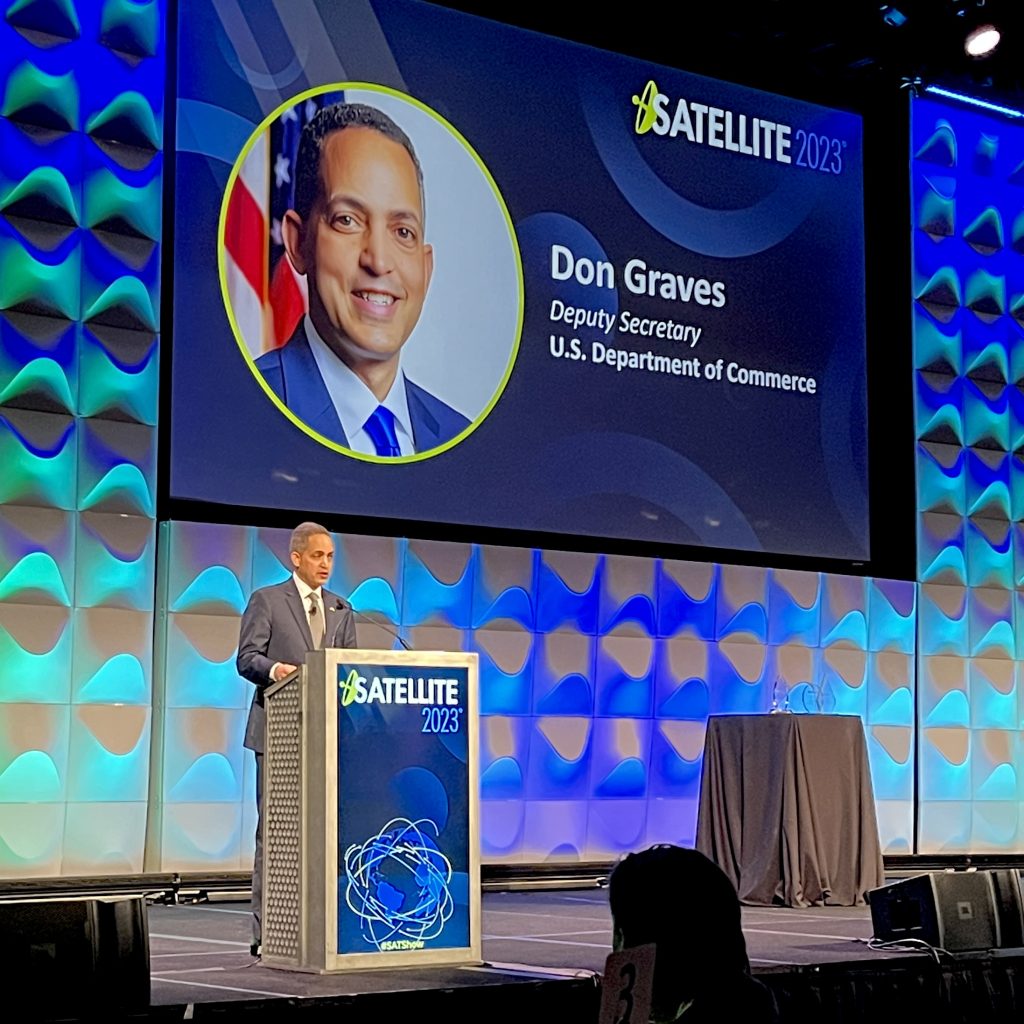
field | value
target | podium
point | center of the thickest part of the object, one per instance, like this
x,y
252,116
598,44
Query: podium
x,y
370,815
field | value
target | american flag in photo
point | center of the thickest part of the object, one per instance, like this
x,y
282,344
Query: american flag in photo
x,y
267,296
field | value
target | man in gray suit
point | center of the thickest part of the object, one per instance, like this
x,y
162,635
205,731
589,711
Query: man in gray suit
x,y
280,624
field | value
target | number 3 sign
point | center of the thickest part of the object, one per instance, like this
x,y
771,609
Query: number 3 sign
x,y
626,986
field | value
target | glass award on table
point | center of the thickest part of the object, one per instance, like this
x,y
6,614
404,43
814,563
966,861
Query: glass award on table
x,y
780,699
825,698
816,698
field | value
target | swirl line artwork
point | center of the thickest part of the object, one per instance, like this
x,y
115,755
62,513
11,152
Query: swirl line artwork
x,y
398,885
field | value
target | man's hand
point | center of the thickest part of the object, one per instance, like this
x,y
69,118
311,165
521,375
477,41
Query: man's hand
x,y
281,670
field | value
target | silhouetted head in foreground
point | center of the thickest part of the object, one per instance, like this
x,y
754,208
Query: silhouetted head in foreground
x,y
685,904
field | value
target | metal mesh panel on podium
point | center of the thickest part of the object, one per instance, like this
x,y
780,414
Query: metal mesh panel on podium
x,y
283,822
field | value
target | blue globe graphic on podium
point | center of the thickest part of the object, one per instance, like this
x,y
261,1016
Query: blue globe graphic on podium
x,y
398,884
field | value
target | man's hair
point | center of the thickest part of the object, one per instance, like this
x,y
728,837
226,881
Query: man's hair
x,y
319,129
685,904
302,533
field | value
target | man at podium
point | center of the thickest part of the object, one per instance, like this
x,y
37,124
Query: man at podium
x,y
281,623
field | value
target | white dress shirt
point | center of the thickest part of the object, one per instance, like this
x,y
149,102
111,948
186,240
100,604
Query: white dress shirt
x,y
355,403
306,592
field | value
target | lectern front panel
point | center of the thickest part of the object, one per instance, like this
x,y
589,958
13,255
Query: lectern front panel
x,y
372,842
403,808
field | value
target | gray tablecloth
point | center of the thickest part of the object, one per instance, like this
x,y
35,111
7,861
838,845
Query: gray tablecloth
x,y
787,811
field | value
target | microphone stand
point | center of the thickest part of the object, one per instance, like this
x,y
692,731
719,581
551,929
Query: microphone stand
x,y
362,617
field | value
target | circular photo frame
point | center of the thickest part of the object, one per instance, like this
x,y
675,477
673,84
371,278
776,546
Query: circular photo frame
x,y
371,273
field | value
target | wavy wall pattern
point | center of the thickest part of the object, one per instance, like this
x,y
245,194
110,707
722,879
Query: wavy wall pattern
x,y
969,369
592,727
81,113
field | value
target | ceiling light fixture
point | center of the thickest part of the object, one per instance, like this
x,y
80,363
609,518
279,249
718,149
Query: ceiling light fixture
x,y
982,41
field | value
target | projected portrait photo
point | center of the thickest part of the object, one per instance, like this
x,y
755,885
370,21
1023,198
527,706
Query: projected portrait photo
x,y
371,273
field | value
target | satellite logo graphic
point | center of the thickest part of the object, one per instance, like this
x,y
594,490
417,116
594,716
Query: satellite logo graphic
x,y
348,689
398,885
646,112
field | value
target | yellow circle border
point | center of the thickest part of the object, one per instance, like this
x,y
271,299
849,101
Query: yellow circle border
x,y
222,269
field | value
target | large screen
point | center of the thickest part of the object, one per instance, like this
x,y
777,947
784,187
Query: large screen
x,y
428,267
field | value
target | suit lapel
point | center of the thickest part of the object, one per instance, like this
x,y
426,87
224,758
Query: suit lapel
x,y
330,618
299,611
426,431
305,392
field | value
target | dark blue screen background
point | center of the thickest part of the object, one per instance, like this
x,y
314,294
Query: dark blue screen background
x,y
571,447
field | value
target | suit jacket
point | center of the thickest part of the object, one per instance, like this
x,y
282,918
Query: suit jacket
x,y
293,376
275,628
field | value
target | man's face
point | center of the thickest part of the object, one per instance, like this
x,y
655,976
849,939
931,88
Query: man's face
x,y
313,565
362,247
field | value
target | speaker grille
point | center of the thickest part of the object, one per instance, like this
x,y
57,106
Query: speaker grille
x,y
1009,908
955,911
283,853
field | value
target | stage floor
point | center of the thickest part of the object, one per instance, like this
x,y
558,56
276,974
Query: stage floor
x,y
200,953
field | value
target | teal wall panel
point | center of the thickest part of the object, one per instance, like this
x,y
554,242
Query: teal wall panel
x,y
81,176
969,355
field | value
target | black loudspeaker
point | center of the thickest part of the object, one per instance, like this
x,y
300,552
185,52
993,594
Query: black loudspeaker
x,y
68,957
1009,908
956,911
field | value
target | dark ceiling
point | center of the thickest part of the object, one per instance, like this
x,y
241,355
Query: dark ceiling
x,y
818,50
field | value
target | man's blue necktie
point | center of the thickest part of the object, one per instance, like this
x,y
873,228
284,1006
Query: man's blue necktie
x,y
381,428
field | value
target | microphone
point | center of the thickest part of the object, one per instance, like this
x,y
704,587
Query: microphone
x,y
361,616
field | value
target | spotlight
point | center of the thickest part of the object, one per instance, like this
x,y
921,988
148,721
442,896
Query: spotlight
x,y
981,41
